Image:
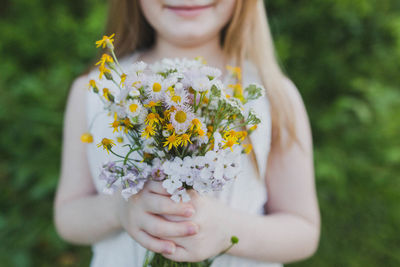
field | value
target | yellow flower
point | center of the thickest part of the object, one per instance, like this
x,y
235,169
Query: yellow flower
x,y
152,104
169,127
107,95
195,123
172,140
116,125
229,142
87,138
105,58
128,124
107,144
107,41
184,139
152,118
232,133
123,78
241,135
247,148
252,128
104,71
92,84
120,139
168,112
200,132
235,71
148,131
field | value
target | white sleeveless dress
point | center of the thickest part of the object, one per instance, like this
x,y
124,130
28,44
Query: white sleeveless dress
x,y
247,193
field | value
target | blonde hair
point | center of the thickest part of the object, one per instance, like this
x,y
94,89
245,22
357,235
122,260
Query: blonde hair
x,y
247,36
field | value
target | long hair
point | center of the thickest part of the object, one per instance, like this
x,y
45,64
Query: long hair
x,y
246,36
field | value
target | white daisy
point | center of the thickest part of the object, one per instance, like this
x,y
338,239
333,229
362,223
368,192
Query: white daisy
x,y
181,119
133,108
155,88
138,67
177,97
210,72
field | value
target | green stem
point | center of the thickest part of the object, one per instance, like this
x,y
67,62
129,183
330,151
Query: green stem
x,y
116,60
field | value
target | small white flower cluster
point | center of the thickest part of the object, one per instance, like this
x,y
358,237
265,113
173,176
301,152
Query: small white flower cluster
x,y
202,173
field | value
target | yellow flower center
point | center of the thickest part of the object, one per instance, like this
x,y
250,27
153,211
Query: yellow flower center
x,y
133,107
180,116
200,132
151,116
185,138
156,87
169,127
176,98
172,139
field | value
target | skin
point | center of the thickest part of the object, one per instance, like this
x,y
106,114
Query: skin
x,y
202,227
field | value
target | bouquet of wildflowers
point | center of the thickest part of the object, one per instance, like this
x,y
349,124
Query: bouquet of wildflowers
x,y
184,126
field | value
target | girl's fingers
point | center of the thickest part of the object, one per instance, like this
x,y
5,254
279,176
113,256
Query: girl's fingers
x,y
156,188
154,244
159,227
159,204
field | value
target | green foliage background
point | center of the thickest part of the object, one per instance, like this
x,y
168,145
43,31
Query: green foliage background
x,y
343,55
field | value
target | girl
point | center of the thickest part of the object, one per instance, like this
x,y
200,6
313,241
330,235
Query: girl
x,y
285,229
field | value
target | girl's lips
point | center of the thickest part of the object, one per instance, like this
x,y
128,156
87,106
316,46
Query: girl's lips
x,y
188,11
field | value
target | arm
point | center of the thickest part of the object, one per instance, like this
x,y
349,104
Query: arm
x,y
81,216
291,229
84,217
288,233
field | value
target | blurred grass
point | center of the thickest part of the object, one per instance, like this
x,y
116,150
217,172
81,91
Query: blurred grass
x,y
343,56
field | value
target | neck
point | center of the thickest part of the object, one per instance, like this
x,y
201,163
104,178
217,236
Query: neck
x,y
210,50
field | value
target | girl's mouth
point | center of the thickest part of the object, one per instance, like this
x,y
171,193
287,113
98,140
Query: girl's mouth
x,y
188,11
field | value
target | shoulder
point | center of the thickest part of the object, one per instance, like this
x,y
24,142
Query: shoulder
x,y
76,102
298,111
293,94
78,89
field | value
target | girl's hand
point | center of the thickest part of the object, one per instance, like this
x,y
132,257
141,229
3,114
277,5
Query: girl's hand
x,y
138,216
212,217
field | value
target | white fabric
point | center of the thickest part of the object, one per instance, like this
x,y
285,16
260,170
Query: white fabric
x,y
246,193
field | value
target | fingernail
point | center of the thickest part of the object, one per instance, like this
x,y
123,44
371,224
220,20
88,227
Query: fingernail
x,y
192,229
170,249
189,212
